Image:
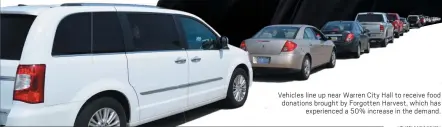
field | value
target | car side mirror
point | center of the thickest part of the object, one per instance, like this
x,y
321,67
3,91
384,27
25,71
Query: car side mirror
x,y
366,31
223,42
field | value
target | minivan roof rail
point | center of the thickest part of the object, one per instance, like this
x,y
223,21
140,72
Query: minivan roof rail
x,y
107,4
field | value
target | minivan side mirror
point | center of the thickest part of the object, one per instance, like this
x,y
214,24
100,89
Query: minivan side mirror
x,y
223,42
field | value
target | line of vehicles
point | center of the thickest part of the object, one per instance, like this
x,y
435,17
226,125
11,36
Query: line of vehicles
x,y
285,49
101,64
421,20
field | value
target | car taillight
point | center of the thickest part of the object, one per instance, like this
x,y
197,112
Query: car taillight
x,y
289,46
349,37
243,46
421,20
29,83
381,28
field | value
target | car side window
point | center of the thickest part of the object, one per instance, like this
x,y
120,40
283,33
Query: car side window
x,y
198,35
107,33
317,34
73,35
153,32
310,34
78,34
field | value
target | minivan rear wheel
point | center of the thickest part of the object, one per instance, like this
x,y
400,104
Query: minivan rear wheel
x,y
238,89
104,111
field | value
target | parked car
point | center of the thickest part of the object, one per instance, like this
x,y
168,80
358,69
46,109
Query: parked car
x,y
113,65
406,24
422,20
381,30
415,21
394,18
349,37
287,49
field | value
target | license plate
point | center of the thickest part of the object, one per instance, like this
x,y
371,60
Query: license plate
x,y
334,38
261,60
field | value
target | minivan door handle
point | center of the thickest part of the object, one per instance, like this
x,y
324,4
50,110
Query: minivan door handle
x,y
196,59
180,60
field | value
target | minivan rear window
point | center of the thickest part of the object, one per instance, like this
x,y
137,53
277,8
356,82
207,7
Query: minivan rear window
x,y
14,29
370,18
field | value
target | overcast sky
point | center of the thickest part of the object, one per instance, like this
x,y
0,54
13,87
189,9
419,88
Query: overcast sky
x,y
4,3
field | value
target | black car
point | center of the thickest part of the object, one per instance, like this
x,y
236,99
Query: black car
x,y
349,37
415,21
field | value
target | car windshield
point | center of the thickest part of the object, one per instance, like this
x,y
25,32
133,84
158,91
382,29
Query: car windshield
x,y
278,32
14,30
392,17
370,18
338,26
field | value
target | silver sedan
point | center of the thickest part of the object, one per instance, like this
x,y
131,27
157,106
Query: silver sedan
x,y
290,48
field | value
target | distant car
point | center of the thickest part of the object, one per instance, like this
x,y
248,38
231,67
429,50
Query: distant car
x,y
349,37
415,21
394,18
380,29
288,49
406,24
422,20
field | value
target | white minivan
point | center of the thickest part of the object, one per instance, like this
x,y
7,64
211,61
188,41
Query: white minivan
x,y
98,64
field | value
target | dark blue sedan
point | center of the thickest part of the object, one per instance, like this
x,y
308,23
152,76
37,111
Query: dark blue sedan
x,y
349,37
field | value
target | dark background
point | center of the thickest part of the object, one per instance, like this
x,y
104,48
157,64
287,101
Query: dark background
x,y
241,19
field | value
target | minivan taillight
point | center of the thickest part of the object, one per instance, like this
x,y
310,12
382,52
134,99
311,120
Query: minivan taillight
x,y
289,46
243,46
29,83
381,28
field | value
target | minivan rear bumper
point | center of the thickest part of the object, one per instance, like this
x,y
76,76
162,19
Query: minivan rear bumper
x,y
40,115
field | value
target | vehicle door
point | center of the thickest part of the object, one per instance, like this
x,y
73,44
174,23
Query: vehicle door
x,y
363,36
325,48
208,63
157,62
14,30
315,46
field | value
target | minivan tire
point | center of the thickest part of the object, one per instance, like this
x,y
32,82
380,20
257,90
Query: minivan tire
x,y
91,108
230,101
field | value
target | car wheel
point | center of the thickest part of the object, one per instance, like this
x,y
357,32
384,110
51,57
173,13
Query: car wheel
x,y
332,61
238,89
104,112
396,35
306,69
402,34
368,48
357,54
